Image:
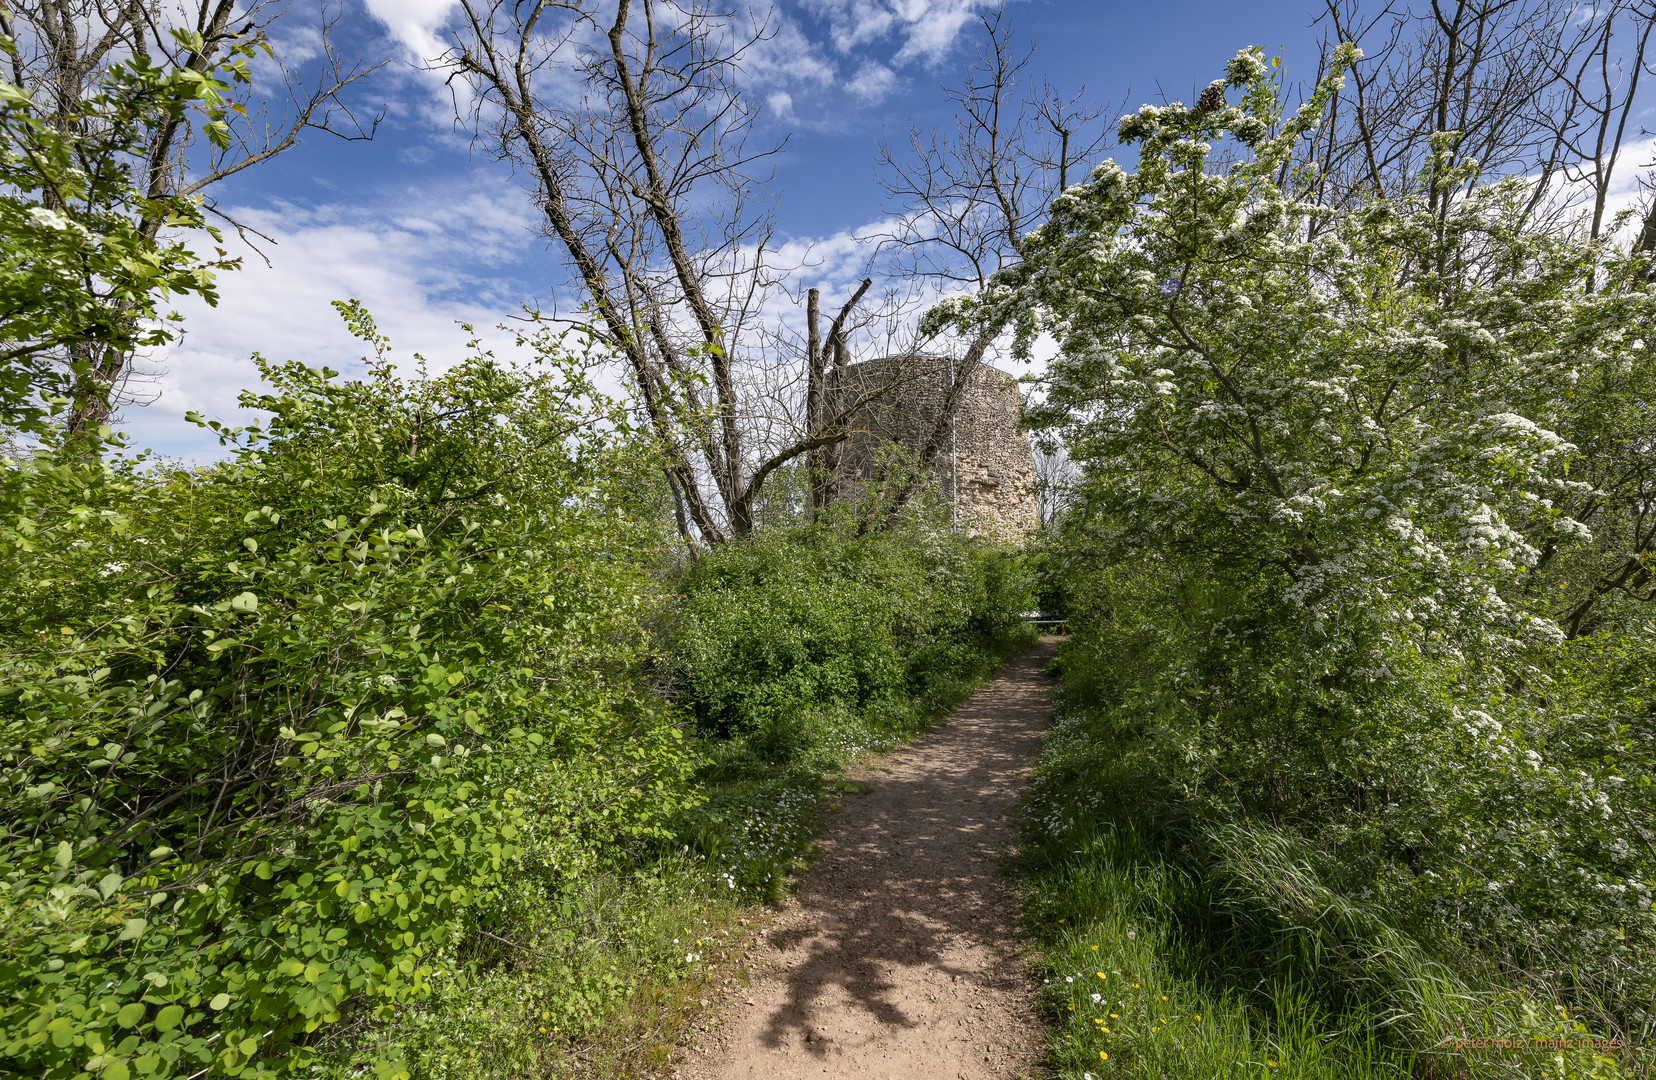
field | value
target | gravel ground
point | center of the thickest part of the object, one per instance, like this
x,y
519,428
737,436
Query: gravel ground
x,y
899,957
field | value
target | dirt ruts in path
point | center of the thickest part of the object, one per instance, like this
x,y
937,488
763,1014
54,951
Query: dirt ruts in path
x,y
899,957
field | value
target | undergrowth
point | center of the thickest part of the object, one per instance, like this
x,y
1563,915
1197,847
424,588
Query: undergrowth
x,y
1178,948
398,736
612,980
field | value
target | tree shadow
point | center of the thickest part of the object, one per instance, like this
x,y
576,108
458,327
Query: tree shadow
x,y
910,880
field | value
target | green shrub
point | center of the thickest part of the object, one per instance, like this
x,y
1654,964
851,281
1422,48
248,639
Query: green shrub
x,y
601,980
1182,943
303,751
801,651
280,736
1363,492
797,621
1473,823
608,978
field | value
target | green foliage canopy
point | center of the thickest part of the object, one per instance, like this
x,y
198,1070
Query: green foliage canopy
x,y
80,274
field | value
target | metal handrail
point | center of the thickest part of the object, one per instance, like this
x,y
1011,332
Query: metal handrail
x,y
1048,618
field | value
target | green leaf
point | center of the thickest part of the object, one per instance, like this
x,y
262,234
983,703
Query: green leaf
x,y
169,1017
245,602
219,1001
130,1013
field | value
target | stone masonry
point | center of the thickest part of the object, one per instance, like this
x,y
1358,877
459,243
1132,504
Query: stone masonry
x,y
991,471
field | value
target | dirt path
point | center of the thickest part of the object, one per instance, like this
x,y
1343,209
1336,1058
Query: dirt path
x,y
899,957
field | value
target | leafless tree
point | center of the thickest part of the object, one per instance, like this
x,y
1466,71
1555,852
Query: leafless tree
x,y
1601,88
64,46
1537,88
819,354
631,121
1055,479
964,197
1483,69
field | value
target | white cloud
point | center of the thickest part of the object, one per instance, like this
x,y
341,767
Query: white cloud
x,y
857,22
420,264
872,83
787,57
415,23
1570,194
294,42
922,30
781,106
931,34
823,55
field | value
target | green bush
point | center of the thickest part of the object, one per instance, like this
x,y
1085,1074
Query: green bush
x,y
281,735
814,619
608,977
1363,496
1183,942
800,651
303,751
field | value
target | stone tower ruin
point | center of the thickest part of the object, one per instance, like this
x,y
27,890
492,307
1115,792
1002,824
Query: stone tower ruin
x,y
983,465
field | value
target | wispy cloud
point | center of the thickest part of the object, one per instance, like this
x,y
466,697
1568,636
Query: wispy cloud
x,y
421,265
923,30
787,57
417,24
781,107
872,82
813,51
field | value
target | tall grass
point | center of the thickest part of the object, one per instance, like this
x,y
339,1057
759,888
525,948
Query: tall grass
x,y
1178,948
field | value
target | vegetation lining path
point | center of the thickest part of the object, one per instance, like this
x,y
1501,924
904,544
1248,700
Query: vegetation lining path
x,y
900,955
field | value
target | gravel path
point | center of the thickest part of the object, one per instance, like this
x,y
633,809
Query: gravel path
x,y
899,957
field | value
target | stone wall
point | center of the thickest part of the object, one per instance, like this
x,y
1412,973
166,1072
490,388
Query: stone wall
x,y
991,470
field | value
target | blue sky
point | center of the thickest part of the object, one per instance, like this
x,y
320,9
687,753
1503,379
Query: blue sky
x,y
428,233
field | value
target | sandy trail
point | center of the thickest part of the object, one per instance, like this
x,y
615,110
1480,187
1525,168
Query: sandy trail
x,y
899,957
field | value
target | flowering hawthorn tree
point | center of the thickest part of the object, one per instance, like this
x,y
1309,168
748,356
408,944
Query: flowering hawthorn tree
x,y
1327,499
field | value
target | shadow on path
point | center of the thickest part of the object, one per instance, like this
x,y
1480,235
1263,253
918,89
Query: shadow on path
x,y
899,956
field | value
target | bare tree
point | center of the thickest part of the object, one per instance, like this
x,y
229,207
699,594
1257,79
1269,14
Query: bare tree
x,y
1482,69
1055,479
631,122
1538,88
63,47
819,354
964,197
1602,86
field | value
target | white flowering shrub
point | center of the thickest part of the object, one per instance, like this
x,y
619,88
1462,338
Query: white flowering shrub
x,y
1334,510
